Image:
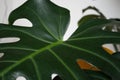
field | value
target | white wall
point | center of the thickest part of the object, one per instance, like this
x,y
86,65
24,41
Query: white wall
x,y
5,8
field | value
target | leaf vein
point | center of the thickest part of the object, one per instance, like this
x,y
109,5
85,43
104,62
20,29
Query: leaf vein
x,y
62,62
93,53
42,23
95,37
36,68
27,49
25,32
29,56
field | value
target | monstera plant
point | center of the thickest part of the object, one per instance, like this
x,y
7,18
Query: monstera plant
x,y
41,50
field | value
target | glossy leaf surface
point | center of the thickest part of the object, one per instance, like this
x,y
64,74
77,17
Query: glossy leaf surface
x,y
41,51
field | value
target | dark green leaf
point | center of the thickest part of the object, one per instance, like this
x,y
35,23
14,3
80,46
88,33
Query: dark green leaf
x,y
97,75
42,52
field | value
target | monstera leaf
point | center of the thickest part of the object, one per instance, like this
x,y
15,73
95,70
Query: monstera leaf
x,y
41,50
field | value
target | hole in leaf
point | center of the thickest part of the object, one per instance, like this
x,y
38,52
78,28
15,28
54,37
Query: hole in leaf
x,y
1,55
112,28
109,48
55,76
86,65
23,23
21,78
18,76
9,40
91,12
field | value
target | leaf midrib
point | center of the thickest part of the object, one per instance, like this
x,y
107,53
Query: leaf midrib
x,y
30,56
60,22
40,20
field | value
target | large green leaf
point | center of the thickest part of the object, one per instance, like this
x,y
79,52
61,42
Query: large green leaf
x,y
41,50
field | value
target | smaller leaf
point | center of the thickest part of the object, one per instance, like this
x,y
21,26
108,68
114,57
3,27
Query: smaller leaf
x,y
101,15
